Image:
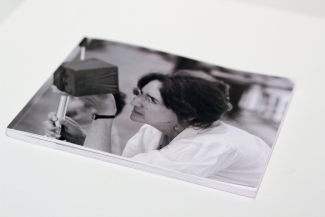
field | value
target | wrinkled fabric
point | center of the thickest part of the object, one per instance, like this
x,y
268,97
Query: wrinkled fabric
x,y
221,152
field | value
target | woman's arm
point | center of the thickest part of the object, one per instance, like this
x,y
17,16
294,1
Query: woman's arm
x,y
99,136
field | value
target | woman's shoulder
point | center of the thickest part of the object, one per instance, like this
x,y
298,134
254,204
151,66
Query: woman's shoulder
x,y
227,130
219,139
146,134
243,140
221,133
146,139
148,130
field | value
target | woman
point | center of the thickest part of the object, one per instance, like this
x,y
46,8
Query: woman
x,y
181,130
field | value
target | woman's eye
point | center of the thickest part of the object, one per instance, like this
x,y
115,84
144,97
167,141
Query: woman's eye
x,y
150,100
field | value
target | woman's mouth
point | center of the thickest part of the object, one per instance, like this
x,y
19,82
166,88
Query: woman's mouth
x,y
136,112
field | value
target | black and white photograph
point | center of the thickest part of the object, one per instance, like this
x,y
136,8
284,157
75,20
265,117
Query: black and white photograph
x,y
169,112
162,108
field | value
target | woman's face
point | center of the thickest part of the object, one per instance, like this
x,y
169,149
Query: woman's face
x,y
150,109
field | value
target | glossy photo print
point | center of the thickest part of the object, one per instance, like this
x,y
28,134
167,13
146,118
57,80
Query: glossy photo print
x,y
162,113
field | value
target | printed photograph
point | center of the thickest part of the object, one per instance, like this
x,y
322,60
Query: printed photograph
x,y
163,110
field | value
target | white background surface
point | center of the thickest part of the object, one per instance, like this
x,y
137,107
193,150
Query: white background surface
x,y
37,181
313,8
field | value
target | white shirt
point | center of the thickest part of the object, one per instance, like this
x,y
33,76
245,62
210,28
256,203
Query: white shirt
x,y
221,152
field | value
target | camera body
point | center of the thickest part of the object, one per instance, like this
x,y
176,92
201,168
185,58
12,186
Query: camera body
x,y
87,77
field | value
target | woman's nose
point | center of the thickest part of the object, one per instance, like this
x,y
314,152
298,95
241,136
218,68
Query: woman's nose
x,y
136,102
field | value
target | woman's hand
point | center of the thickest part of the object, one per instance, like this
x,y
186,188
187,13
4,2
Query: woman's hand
x,y
56,90
71,131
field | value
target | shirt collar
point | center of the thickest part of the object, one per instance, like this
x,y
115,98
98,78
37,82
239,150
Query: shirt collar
x,y
192,131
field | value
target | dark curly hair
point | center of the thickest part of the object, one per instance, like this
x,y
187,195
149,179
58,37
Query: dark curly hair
x,y
195,101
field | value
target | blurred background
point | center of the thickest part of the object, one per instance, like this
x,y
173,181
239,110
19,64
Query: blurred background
x,y
259,101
